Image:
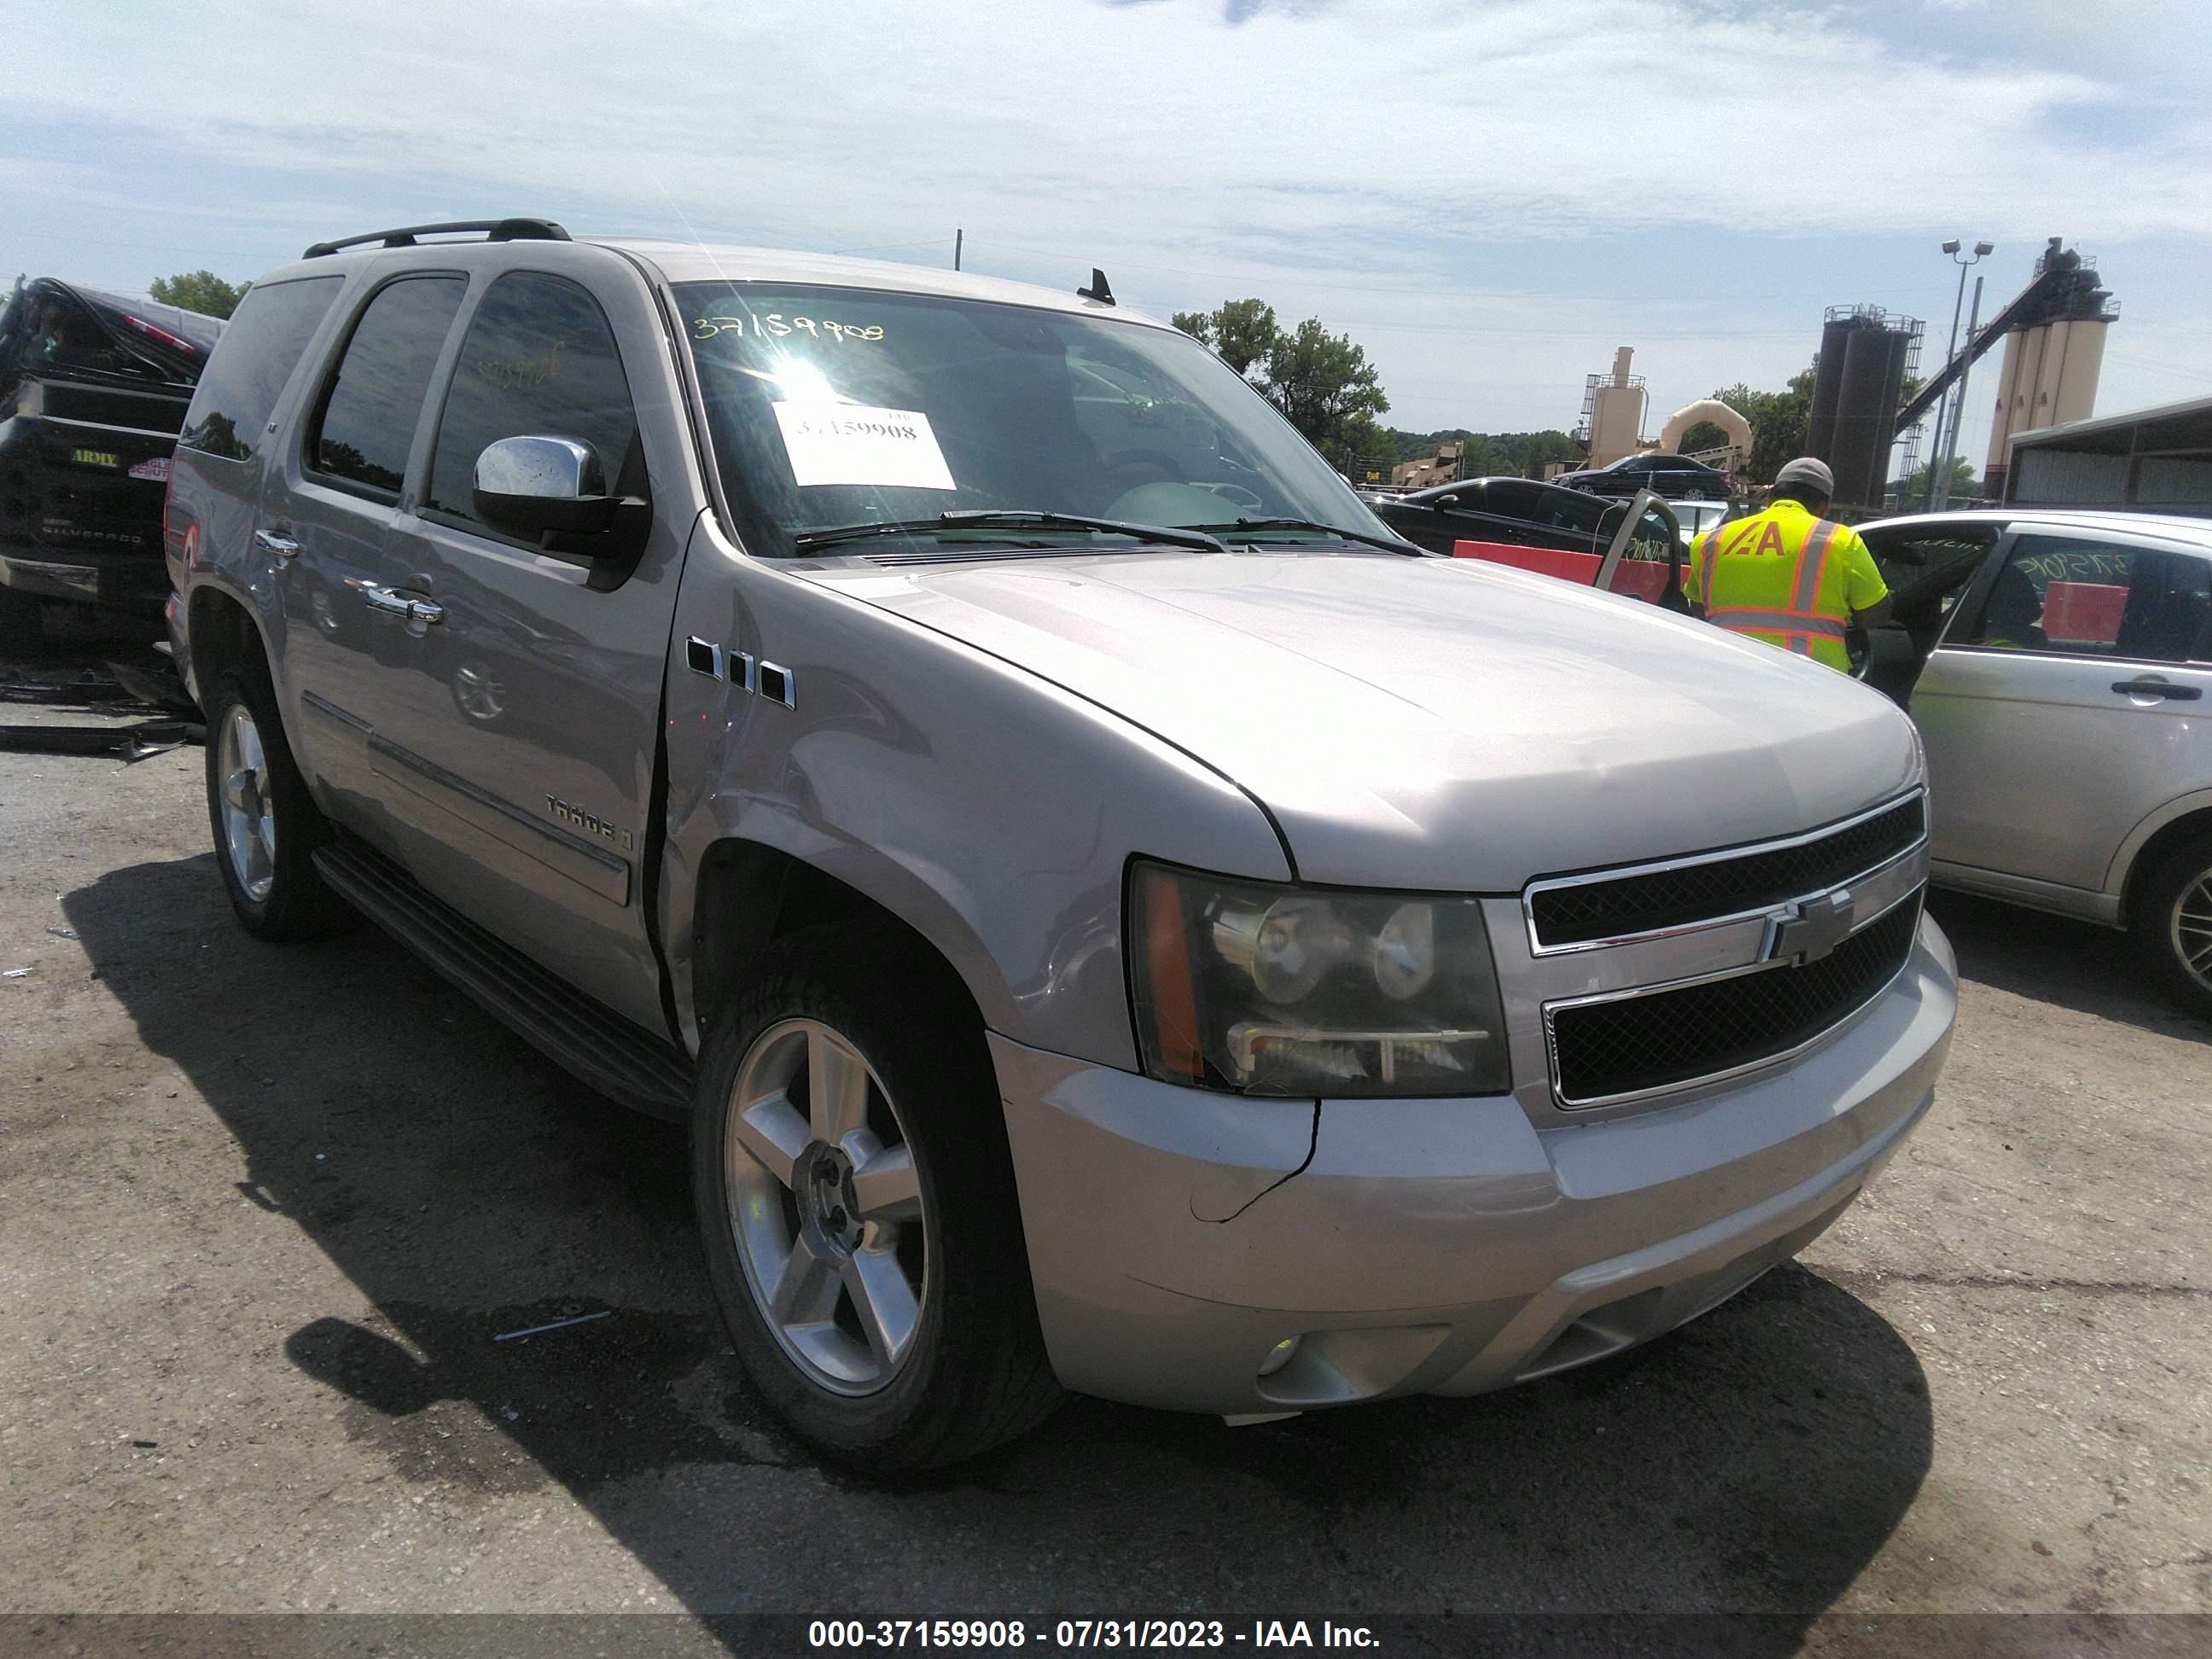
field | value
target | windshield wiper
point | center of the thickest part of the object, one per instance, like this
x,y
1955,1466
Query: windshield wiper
x,y
1008,518
1387,543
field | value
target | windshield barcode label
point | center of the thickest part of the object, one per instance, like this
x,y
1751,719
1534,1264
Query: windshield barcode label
x,y
847,444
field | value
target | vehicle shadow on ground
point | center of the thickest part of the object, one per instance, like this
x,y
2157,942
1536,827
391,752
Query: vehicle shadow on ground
x,y
2055,959
1755,1462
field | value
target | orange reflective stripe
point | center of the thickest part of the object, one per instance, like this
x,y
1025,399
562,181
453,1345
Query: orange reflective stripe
x,y
1752,619
1715,546
1812,561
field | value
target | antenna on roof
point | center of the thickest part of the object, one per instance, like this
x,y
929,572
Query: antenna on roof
x,y
1098,290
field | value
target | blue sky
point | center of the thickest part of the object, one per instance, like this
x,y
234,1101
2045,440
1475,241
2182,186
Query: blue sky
x,y
1488,195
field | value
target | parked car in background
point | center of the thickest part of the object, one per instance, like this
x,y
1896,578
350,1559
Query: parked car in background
x,y
1113,916
92,388
1671,476
1520,511
2061,676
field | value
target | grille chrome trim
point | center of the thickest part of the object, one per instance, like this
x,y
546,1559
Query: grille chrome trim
x,y
1693,860
1914,896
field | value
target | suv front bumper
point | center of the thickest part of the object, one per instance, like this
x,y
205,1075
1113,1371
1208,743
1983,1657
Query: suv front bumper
x,y
1178,1239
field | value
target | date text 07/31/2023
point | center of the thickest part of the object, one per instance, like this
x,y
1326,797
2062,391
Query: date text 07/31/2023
x,y
1001,1635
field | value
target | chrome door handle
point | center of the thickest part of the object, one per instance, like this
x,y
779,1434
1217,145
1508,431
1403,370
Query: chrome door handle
x,y
270,541
385,599
2165,688
391,601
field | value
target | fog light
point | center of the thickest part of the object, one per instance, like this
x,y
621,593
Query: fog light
x,y
1279,1356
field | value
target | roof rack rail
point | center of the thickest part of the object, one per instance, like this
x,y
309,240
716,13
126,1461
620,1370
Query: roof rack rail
x,y
496,230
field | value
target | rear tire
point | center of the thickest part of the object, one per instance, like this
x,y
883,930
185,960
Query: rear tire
x,y
266,825
2173,925
856,1199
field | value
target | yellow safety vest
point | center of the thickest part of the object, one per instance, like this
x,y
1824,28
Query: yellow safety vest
x,y
1787,577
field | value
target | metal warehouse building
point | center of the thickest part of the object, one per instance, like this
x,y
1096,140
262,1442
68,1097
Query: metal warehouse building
x,y
2157,460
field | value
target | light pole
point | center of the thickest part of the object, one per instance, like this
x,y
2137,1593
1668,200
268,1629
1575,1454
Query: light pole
x,y
1942,490
1939,483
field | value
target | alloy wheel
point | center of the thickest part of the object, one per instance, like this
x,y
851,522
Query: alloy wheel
x,y
825,1207
249,808
2190,928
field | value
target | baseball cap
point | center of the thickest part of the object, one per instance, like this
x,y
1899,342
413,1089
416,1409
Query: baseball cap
x,y
1804,470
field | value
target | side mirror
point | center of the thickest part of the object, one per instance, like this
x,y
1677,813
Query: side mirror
x,y
531,486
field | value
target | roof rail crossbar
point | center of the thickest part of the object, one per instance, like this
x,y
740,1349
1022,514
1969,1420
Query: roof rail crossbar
x,y
493,230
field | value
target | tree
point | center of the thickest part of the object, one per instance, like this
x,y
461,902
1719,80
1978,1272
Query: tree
x,y
1322,382
1778,420
1242,332
1703,436
1965,486
1324,385
199,290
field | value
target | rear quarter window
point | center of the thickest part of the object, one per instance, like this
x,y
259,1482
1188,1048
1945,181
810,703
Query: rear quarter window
x,y
251,362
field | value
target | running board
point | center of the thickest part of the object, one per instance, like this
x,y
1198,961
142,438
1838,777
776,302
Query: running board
x,y
615,1057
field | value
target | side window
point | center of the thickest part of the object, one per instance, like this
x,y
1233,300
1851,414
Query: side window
x,y
1570,509
1935,566
371,408
1510,498
2079,597
251,362
539,361
2174,622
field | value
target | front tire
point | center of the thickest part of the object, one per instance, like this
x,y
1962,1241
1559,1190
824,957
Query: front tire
x,y
856,1198
266,824
2173,925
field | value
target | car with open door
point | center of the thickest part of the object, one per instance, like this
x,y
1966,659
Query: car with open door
x,y
1519,511
1633,545
2058,671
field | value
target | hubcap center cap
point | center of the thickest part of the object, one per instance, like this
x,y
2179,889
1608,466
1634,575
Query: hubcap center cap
x,y
825,1193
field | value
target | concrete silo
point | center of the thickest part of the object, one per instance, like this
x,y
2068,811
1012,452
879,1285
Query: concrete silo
x,y
1865,355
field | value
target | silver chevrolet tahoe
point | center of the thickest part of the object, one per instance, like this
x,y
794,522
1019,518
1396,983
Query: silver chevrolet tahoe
x,y
1114,917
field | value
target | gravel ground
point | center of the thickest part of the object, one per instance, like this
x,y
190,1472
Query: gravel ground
x,y
262,1210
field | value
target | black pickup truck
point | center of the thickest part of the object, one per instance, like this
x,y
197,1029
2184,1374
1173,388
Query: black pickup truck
x,y
92,388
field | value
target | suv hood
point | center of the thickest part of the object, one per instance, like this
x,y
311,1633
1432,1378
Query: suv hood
x,y
1431,723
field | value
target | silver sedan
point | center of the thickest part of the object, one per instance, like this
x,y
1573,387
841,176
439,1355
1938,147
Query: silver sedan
x,y
2058,678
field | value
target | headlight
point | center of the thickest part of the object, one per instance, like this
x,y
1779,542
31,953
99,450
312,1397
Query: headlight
x,y
1255,989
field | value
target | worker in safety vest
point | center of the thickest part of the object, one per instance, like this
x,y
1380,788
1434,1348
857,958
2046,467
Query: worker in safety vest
x,y
1787,575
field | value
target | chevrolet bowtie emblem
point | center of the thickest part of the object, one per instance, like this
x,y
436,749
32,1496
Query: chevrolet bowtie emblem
x,y
1809,929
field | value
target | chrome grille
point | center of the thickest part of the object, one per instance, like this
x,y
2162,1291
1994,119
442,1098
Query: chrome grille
x,y
1633,1044
1580,910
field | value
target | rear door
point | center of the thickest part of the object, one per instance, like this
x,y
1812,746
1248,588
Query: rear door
x,y
517,725
215,495
2065,703
328,511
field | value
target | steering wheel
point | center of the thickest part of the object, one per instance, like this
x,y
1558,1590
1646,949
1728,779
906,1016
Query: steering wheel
x,y
1236,494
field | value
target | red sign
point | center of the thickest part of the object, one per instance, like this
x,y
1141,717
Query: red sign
x,y
2083,613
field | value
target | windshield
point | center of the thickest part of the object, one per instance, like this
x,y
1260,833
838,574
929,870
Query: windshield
x,y
831,407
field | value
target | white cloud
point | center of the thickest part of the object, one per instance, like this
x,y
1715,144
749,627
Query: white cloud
x,y
1368,143
1553,116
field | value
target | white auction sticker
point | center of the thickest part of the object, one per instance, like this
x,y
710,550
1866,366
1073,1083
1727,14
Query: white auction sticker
x,y
848,444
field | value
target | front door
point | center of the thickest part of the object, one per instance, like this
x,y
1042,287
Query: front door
x,y
522,735
2066,701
